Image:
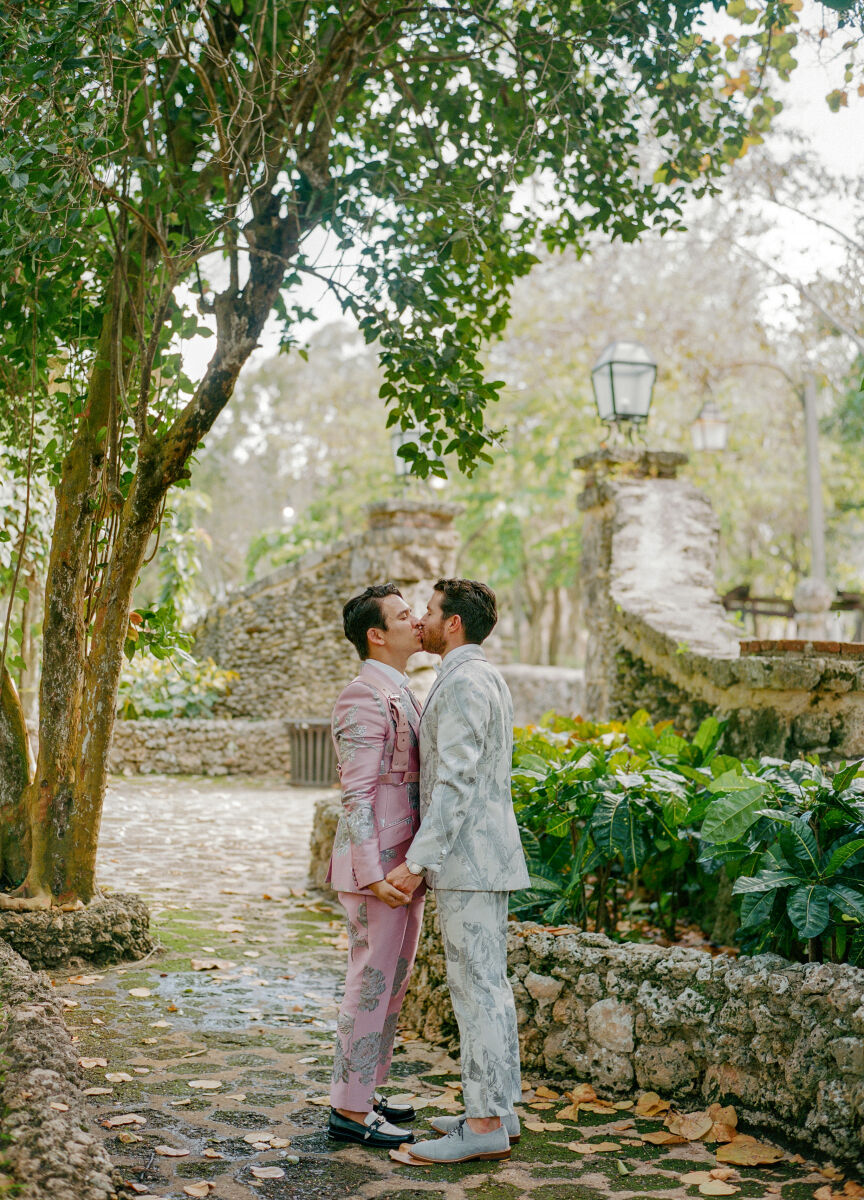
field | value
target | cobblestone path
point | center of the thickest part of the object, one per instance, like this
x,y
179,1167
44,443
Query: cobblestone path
x,y
222,1063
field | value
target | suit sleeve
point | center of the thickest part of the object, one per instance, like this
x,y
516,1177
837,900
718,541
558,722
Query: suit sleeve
x,y
360,732
463,716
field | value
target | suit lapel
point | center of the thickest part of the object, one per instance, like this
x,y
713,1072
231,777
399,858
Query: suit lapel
x,y
448,667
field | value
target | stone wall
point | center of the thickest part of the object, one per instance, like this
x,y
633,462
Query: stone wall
x,y
200,746
783,1042
659,638
536,690
283,634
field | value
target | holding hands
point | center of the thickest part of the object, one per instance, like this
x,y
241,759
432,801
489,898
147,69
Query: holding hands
x,y
403,879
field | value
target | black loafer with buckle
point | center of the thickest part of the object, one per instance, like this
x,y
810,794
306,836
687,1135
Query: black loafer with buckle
x,y
397,1113
372,1134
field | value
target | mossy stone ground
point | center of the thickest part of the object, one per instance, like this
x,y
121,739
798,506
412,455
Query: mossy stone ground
x,y
223,865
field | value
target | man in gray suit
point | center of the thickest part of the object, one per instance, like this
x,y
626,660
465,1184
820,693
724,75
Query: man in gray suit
x,y
469,851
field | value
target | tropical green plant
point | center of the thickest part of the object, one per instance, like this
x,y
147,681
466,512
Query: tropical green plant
x,y
631,818
171,688
610,817
794,838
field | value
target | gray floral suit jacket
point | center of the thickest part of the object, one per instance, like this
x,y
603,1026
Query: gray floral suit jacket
x,y
468,839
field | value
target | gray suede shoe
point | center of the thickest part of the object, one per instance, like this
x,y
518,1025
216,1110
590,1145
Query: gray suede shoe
x,y
462,1144
510,1123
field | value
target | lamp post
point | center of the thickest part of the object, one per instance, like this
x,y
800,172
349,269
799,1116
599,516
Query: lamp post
x,y
623,381
710,430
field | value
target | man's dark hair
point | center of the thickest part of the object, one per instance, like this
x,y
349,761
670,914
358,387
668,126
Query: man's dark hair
x,y
363,613
471,600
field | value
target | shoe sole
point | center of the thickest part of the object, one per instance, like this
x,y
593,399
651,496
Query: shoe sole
x,y
487,1156
368,1143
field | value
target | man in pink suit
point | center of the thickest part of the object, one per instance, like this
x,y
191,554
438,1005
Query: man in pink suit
x,y
375,730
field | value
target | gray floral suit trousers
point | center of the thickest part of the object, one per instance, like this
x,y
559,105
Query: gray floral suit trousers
x,y
474,932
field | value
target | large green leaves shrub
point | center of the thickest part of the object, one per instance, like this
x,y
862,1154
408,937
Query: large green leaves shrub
x,y
793,837
631,819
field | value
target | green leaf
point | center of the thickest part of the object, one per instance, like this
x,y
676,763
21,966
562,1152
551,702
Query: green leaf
x,y
756,909
707,736
809,909
616,831
841,856
729,817
850,900
765,881
845,776
798,841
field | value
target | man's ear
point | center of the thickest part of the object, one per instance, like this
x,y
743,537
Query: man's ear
x,y
455,622
375,636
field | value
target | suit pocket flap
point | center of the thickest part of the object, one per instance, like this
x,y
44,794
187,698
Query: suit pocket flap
x,y
392,835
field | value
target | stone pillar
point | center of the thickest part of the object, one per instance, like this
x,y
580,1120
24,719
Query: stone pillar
x,y
609,476
649,549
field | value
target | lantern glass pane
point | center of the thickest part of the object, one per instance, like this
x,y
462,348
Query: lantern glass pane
x,y
623,381
601,377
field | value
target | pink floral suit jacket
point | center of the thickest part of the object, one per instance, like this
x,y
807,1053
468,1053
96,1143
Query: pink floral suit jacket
x,y
375,731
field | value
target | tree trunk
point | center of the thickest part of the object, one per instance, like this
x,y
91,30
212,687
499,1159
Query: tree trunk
x,y
78,695
16,772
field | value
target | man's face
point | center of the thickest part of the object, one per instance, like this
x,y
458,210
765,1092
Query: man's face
x,y
402,634
432,626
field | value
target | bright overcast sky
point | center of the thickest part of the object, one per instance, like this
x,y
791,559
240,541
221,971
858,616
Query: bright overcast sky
x,y
837,138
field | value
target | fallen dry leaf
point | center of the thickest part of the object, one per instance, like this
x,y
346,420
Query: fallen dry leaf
x,y
239,1096
546,1093
140,992
210,1153
98,1091
722,1114
541,1105
267,1172
212,964
280,1143
89,1063
170,1152
649,1104
118,1077
824,1193
58,1107
321,1101
716,1187
593,1147
829,1171
128,1138
403,1155
721,1133
724,1173
583,1093
695,1177
535,1126
252,1138
205,1085
124,1119
83,980
623,1105
663,1137
179,1103
199,1190
852,1190
691,1126
599,1106
745,1151
570,1113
